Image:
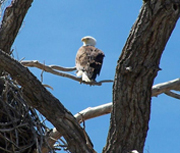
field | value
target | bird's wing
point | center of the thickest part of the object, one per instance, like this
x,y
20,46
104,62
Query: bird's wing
x,y
89,59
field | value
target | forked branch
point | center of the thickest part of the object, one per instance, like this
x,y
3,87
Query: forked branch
x,y
53,69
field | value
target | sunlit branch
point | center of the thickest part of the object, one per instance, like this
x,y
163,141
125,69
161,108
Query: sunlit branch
x,y
92,112
53,69
37,64
166,86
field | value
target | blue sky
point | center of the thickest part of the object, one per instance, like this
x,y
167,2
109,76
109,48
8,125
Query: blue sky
x,y
51,34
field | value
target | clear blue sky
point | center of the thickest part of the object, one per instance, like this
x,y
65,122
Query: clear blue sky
x,y
51,33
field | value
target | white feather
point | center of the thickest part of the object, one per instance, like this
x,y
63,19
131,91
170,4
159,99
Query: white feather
x,y
134,151
84,76
79,73
88,41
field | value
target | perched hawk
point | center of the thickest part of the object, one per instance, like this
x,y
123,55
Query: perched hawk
x,y
89,60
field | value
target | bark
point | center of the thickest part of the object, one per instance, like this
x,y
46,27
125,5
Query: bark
x,y
135,72
10,25
38,97
11,22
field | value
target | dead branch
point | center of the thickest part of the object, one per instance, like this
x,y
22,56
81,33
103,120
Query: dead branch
x,y
52,69
172,94
60,68
37,64
165,87
92,112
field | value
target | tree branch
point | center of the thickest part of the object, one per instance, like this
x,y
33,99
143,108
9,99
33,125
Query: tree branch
x,y
10,25
51,68
165,87
172,94
92,112
11,22
38,97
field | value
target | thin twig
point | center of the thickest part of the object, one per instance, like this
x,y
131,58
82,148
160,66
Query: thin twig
x,y
1,148
42,73
13,128
60,68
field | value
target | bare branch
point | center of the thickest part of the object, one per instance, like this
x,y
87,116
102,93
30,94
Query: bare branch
x,y
48,86
60,68
172,94
92,112
37,64
51,68
166,86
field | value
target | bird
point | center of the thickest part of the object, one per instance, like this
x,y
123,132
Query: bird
x,y
89,60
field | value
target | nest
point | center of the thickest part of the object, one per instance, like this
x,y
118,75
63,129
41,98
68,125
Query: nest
x,y
21,130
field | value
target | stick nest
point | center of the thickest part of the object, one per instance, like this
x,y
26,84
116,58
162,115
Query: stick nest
x,y
21,130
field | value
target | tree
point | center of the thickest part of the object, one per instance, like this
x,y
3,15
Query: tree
x,y
135,72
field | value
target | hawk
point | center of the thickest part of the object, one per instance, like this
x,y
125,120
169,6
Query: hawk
x,y
89,60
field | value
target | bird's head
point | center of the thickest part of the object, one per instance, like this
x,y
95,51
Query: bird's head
x,y
88,41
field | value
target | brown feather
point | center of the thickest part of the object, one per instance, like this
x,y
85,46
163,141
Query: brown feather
x,y
89,59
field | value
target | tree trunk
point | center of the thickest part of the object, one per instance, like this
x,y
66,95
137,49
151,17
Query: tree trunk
x,y
135,72
11,22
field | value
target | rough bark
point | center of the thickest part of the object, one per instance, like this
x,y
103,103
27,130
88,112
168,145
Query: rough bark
x,y
135,72
10,25
11,22
38,97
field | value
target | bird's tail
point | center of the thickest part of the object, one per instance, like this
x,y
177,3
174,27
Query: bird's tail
x,y
84,76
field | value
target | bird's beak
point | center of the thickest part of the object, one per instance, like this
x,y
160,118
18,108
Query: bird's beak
x,y
83,39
